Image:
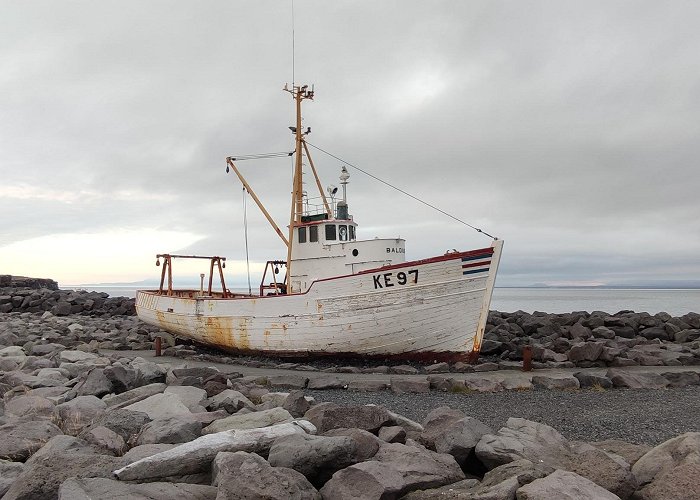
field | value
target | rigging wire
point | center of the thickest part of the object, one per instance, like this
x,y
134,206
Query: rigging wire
x,y
245,230
402,191
260,156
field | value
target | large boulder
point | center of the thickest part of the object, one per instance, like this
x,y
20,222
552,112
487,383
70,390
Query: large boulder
x,y
124,422
540,443
192,397
79,413
174,429
229,400
30,406
22,439
681,450
42,478
394,471
331,416
679,483
459,440
500,483
9,471
637,380
564,485
160,405
248,476
95,488
316,457
436,423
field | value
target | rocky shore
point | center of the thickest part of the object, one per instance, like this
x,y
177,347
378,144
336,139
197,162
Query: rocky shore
x,y
84,414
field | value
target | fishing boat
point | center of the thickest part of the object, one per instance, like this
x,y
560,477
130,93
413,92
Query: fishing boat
x,y
334,294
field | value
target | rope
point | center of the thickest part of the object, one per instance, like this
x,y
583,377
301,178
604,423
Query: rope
x,y
402,191
245,226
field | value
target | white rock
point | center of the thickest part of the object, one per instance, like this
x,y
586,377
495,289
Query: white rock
x,y
160,405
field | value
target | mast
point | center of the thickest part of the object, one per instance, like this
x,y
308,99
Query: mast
x,y
299,93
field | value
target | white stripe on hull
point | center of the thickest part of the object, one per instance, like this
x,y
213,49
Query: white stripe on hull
x,y
444,313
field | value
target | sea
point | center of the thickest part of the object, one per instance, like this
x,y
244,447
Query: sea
x,y
675,302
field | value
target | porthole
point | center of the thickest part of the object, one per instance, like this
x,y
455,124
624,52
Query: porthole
x,y
355,253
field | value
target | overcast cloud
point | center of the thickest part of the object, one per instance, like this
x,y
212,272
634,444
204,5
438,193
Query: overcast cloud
x,y
568,129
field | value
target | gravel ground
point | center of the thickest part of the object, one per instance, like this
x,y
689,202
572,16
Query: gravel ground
x,y
636,416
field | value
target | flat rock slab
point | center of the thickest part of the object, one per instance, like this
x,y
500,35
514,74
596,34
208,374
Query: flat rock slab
x,y
288,381
253,420
636,380
564,485
326,383
196,456
368,385
327,416
159,406
95,488
401,385
561,383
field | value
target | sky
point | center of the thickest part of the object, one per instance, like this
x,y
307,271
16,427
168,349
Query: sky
x,y
569,129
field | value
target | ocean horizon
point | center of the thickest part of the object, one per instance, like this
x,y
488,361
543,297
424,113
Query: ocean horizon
x,y
674,301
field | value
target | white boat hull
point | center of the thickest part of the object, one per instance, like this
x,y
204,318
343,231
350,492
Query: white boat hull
x,y
433,309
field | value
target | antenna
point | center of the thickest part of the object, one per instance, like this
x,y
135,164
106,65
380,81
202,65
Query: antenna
x,y
293,51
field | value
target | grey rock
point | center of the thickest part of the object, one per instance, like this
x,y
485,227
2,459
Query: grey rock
x,y
248,476
637,380
628,451
62,444
563,382
602,332
192,397
326,382
563,485
122,377
460,438
681,379
395,470
392,434
75,356
34,406
401,385
148,372
79,413
160,405
668,455
229,400
587,351
196,456
146,450
369,418
20,440
476,384
367,443
105,439
288,381
42,478
589,380
486,367
296,404
436,423
103,488
253,420
133,396
95,383
404,370
316,457
174,429
9,471
437,368
679,483
124,422
367,385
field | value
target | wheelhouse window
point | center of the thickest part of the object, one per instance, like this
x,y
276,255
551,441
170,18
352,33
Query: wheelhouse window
x,y
330,232
313,234
302,235
343,232
352,232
